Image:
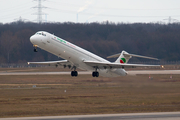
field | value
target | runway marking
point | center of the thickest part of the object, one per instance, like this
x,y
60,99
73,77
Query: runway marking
x,y
42,73
133,72
32,84
132,116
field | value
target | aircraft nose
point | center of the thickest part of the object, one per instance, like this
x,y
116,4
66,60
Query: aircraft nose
x,y
32,39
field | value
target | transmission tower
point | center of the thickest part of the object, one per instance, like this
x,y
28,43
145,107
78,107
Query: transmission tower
x,y
39,12
170,20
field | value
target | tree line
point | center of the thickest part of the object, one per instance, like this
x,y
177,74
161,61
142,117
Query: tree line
x,y
104,39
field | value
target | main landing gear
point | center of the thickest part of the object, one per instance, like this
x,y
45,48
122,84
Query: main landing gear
x,y
95,74
74,73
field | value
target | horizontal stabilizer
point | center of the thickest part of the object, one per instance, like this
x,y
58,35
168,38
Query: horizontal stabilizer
x,y
131,55
114,56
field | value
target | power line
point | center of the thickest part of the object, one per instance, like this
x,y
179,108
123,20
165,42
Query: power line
x,y
112,8
14,11
110,15
12,15
22,5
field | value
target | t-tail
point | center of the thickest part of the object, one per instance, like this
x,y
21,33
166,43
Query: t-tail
x,y
124,57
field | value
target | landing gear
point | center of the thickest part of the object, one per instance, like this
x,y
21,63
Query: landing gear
x,y
74,73
95,74
35,50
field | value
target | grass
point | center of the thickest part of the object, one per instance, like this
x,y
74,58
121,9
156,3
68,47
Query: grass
x,y
65,95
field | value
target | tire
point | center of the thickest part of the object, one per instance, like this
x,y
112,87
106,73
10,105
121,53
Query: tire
x,y
93,74
72,73
35,50
97,74
75,73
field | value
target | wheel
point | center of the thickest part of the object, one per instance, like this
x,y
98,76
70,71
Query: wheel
x,y
74,73
35,50
95,74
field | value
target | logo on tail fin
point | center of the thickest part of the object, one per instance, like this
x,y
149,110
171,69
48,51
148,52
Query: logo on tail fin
x,y
122,60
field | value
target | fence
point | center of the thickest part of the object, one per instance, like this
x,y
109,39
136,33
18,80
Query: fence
x,y
19,65
25,65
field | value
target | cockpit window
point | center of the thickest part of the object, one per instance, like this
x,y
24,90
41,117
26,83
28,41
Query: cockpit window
x,y
43,34
39,33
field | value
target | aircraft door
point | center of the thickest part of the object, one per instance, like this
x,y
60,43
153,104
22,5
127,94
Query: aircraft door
x,y
48,39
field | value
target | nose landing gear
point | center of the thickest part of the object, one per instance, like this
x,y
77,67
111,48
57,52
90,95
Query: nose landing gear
x,y
35,48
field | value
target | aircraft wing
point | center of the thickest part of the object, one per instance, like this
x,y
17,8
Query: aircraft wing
x,y
104,65
53,63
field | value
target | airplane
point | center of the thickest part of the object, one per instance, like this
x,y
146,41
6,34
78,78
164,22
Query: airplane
x,y
77,57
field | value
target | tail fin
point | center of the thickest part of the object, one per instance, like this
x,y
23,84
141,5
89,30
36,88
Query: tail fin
x,y
124,57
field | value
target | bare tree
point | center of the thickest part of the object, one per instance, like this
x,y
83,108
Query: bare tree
x,y
8,43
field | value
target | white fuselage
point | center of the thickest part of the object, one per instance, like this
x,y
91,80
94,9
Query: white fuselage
x,y
74,54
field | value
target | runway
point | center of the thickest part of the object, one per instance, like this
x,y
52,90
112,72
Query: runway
x,y
43,73
133,72
127,116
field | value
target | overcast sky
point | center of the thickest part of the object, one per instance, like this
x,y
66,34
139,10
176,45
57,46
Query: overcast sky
x,y
127,11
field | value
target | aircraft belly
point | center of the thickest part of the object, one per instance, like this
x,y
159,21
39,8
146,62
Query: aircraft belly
x,y
112,72
76,58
